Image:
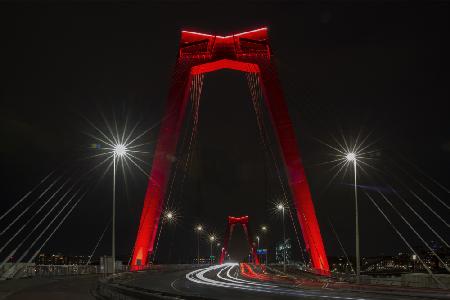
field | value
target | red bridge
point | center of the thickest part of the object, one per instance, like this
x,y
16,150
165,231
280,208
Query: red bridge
x,y
200,53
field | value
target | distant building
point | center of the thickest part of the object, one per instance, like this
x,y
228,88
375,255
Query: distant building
x,y
410,262
60,259
280,249
203,260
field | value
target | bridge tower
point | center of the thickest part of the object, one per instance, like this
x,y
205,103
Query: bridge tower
x,y
200,53
232,221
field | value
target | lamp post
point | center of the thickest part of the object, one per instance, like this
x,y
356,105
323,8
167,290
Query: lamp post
x,y
198,229
280,207
351,158
264,230
212,238
218,249
119,151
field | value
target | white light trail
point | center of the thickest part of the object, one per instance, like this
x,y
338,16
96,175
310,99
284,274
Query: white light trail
x,y
200,277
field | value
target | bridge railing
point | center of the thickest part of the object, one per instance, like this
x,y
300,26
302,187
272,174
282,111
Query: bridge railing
x,y
31,270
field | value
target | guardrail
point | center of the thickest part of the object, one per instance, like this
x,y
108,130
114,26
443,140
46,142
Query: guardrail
x,y
31,270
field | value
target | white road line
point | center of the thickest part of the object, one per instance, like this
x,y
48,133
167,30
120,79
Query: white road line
x,y
198,276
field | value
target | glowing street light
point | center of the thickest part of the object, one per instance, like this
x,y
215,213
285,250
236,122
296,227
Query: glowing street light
x,y
212,238
280,207
355,154
198,229
169,216
352,158
119,151
264,231
122,148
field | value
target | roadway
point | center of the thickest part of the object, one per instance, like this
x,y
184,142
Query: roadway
x,y
43,288
226,282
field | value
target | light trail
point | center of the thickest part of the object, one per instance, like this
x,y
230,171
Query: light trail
x,y
212,276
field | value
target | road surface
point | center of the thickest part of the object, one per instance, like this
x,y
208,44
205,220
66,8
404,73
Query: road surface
x,y
66,288
226,282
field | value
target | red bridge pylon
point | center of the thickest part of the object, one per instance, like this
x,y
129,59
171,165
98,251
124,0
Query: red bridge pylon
x,y
232,221
201,53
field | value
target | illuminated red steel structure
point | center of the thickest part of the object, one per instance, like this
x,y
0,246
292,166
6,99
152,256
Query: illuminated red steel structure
x,y
201,53
232,221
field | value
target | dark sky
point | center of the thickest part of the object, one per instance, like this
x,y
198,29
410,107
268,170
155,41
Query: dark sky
x,y
381,68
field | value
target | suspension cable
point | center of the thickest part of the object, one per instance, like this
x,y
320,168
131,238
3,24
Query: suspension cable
x,y
404,240
412,228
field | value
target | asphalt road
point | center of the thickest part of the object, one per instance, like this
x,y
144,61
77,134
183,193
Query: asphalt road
x,y
225,282
66,288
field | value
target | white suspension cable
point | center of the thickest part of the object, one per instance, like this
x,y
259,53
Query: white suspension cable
x,y
405,241
42,206
98,242
420,217
412,228
25,196
57,227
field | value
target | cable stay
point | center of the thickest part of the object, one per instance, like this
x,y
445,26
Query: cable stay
x,y
341,246
422,186
57,227
405,241
195,94
425,174
420,218
257,97
26,195
40,235
416,233
13,252
420,200
41,208
40,222
429,208
415,212
98,242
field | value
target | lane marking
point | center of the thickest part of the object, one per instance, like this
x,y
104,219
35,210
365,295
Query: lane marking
x,y
172,284
198,276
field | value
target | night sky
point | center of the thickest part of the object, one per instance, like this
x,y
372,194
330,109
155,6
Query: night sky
x,y
346,67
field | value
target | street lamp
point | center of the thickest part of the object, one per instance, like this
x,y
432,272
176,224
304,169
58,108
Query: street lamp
x,y
280,207
352,158
119,151
169,216
257,239
212,238
198,229
264,231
